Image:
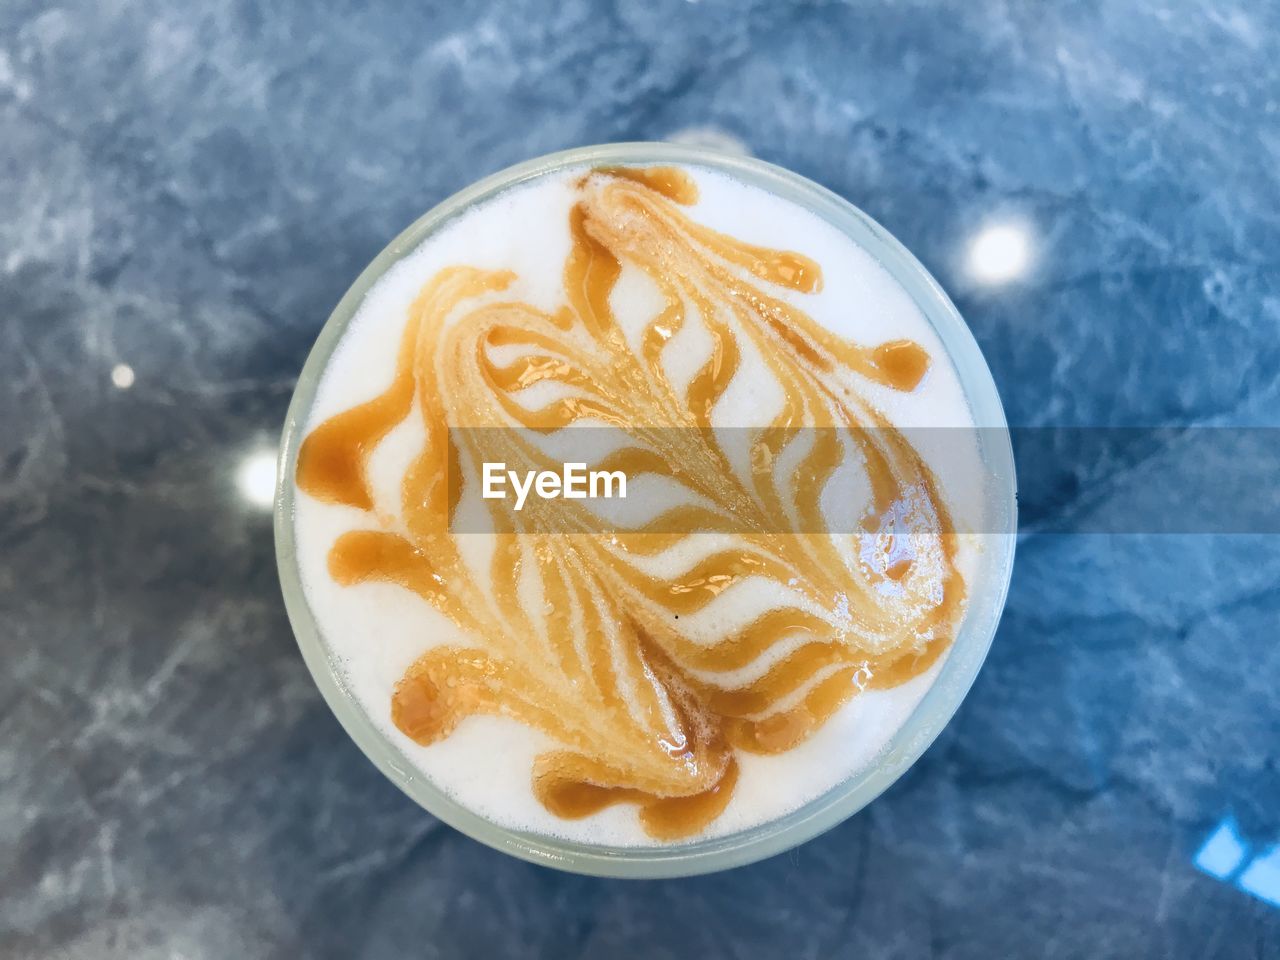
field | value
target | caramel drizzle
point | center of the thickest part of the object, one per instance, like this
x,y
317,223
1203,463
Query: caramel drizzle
x,y
643,712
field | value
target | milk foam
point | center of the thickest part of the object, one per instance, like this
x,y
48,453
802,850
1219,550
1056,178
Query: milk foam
x,y
374,631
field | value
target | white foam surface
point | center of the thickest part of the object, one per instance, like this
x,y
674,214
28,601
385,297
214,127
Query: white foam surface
x,y
376,630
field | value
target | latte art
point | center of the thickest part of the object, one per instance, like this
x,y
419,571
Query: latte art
x,y
602,639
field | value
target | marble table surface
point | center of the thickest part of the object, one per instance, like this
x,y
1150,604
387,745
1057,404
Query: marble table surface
x,y
187,190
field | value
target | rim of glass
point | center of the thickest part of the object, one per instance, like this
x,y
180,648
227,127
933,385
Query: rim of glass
x,y
935,709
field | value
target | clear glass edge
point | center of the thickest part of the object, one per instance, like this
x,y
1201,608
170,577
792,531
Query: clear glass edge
x,y
922,727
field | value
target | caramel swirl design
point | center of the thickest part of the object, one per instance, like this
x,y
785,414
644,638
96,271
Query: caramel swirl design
x,y
566,627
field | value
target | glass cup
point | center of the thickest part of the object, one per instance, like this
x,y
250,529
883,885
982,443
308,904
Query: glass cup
x,y
987,590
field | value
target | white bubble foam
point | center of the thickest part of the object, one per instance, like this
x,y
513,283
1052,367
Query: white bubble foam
x,y
376,630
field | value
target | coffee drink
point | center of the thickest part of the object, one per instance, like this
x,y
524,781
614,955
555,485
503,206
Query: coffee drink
x,y
717,651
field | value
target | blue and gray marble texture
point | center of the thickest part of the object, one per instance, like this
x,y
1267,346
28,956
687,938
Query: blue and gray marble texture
x,y
187,189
